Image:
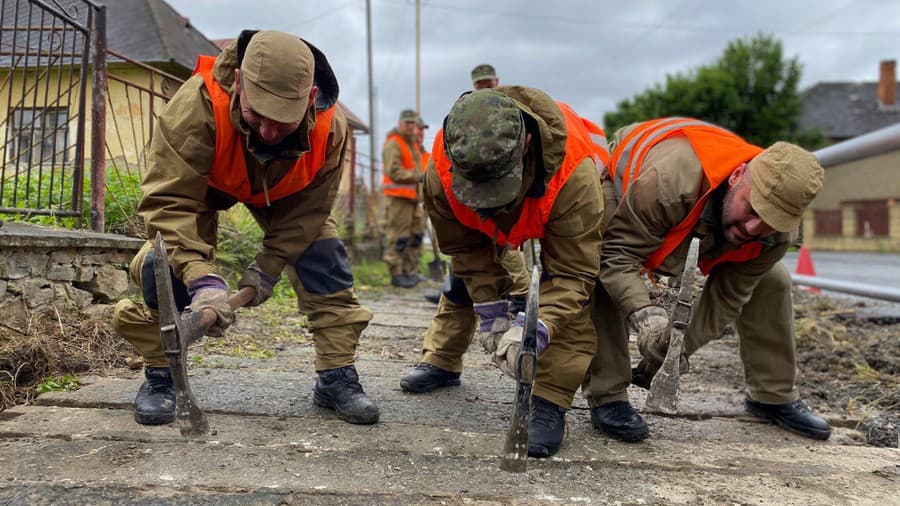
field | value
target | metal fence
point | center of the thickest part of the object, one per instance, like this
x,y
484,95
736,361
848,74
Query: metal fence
x,y
45,50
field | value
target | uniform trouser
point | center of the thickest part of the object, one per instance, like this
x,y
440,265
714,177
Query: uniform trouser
x,y
514,263
405,230
561,365
321,277
765,329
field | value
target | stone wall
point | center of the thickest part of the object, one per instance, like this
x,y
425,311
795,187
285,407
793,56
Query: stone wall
x,y
43,269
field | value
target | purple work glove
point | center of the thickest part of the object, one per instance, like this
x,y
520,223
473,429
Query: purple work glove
x,y
543,333
211,292
508,347
493,322
263,283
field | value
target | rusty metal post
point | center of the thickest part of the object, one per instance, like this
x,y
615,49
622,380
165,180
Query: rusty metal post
x,y
98,121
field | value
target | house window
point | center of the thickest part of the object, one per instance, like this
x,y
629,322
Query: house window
x,y
39,135
871,219
828,222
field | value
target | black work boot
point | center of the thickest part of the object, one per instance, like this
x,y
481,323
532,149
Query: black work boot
x,y
434,298
546,428
793,416
619,420
155,401
339,389
402,281
427,377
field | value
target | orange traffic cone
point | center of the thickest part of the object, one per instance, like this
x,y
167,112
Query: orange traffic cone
x,y
805,267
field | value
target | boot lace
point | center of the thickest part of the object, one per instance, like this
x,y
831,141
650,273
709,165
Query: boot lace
x,y
546,414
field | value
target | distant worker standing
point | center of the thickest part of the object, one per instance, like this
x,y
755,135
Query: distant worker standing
x,y
404,215
484,76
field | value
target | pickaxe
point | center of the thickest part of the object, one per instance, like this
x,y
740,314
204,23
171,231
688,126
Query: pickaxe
x,y
664,388
515,449
177,332
436,268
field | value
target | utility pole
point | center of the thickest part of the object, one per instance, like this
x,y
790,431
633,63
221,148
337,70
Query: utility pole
x,y
418,60
371,96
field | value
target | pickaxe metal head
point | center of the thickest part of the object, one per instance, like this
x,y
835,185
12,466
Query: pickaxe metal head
x,y
664,388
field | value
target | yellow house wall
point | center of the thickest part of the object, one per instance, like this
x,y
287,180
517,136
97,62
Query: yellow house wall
x,y
128,115
874,178
46,91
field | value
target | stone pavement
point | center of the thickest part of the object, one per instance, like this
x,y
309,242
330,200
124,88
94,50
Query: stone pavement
x,y
270,445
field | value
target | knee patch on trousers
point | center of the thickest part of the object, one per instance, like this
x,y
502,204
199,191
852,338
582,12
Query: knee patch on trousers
x,y
324,267
401,244
416,241
148,286
456,292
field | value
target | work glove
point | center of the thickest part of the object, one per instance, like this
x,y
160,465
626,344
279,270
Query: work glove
x,y
650,325
211,292
511,341
493,322
259,280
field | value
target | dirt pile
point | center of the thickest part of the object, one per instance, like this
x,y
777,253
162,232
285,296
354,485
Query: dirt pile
x,y
55,345
849,361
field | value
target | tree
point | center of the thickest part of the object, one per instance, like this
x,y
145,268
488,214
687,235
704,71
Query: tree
x,y
751,90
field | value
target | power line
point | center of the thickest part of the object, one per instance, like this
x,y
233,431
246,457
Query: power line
x,y
614,24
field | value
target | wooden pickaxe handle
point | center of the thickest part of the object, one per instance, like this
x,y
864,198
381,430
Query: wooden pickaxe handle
x,y
236,301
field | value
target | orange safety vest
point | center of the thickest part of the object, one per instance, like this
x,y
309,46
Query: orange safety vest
x,y
229,168
720,152
535,211
402,190
423,156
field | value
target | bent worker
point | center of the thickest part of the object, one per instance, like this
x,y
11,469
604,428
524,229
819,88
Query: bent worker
x,y
511,165
257,125
679,178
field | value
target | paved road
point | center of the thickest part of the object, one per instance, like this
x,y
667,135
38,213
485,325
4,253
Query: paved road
x,y
870,268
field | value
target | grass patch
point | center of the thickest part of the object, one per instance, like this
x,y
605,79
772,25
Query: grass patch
x,y
63,383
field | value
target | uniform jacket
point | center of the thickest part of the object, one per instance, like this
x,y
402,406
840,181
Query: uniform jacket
x,y
402,166
669,184
571,245
178,202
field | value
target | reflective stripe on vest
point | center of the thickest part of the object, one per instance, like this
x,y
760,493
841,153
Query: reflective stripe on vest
x,y
388,186
719,151
228,172
535,211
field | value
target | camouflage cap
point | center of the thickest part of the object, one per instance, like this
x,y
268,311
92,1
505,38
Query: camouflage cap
x,y
484,138
421,122
408,115
483,71
277,75
784,179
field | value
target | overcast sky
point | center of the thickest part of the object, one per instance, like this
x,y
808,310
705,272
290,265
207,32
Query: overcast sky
x,y
590,54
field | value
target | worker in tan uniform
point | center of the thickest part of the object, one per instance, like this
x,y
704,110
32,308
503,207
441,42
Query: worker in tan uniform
x,y
485,77
404,216
675,179
510,165
257,125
